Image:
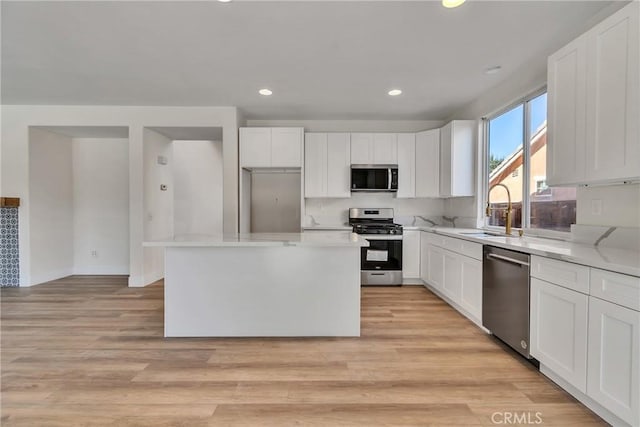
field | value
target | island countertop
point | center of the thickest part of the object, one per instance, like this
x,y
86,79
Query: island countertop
x,y
320,239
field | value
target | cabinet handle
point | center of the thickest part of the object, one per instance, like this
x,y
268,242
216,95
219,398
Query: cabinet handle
x,y
507,259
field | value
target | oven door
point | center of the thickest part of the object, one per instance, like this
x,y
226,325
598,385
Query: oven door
x,y
381,262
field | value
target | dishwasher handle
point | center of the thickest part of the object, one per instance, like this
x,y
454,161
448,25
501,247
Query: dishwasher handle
x,y
507,259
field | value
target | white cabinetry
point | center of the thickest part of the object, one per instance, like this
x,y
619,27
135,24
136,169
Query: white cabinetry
x,y
457,158
271,147
613,375
406,165
593,99
327,162
411,254
427,163
374,149
559,331
452,268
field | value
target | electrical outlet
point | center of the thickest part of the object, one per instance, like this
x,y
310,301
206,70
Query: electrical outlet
x,y
94,253
596,207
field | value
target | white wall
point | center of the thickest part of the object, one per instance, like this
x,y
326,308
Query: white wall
x,y
16,120
620,205
51,206
101,205
197,181
336,211
158,204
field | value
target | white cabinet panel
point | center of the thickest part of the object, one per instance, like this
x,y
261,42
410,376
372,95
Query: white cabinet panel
x,y
613,76
436,267
406,165
424,256
411,254
559,331
385,149
566,77
338,165
315,164
616,288
286,147
613,373
361,148
471,292
457,164
569,275
427,163
327,165
452,286
255,147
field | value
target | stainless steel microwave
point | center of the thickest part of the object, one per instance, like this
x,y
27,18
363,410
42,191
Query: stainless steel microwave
x,y
374,178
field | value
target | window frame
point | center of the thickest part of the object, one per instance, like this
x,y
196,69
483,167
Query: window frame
x,y
526,179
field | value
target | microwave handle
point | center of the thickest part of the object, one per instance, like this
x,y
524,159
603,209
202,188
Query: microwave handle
x,y
389,179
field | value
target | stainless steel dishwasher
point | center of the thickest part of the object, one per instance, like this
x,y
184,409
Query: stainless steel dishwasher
x,y
505,296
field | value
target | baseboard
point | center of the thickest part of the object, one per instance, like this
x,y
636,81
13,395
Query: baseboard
x,y
412,281
39,279
116,270
601,411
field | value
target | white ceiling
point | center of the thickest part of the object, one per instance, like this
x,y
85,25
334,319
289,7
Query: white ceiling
x,y
323,60
88,131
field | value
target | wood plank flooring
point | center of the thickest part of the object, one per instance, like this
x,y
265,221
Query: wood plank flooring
x,y
89,351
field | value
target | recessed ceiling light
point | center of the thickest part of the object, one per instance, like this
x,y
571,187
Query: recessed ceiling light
x,y
224,1
265,92
452,3
492,70
395,92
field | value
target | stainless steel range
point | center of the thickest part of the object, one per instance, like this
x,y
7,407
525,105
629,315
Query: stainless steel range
x,y
381,262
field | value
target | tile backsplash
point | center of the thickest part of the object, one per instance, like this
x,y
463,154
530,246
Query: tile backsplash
x,y
9,257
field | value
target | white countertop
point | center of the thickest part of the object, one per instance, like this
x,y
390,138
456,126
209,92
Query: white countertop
x,y
334,227
326,239
613,259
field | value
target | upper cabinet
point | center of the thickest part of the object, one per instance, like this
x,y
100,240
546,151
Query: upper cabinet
x,y
593,104
271,147
327,165
457,158
427,163
374,149
406,165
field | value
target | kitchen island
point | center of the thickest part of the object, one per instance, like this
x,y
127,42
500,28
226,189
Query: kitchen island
x,y
262,285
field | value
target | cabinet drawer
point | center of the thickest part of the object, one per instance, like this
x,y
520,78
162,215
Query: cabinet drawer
x,y
463,247
616,288
433,239
569,275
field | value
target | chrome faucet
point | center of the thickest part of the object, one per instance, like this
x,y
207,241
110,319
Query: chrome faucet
x,y
507,214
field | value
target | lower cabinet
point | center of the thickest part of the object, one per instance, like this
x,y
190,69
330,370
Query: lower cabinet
x,y
471,296
411,254
559,331
613,374
452,284
435,257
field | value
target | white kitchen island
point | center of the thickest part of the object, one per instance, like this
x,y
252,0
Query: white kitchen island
x,y
262,285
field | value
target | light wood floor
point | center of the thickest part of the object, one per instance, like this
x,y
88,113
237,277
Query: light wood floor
x,y
89,351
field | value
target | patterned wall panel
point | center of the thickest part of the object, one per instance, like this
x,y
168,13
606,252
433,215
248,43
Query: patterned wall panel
x,y
9,267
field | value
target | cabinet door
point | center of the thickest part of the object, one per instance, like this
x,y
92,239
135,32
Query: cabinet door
x,y
613,373
613,86
461,175
411,254
255,147
315,165
471,293
567,73
286,147
559,331
338,165
427,163
445,160
452,285
424,257
361,148
436,267
385,149
406,165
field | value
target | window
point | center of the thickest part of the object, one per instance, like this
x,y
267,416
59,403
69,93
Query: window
x,y
522,169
